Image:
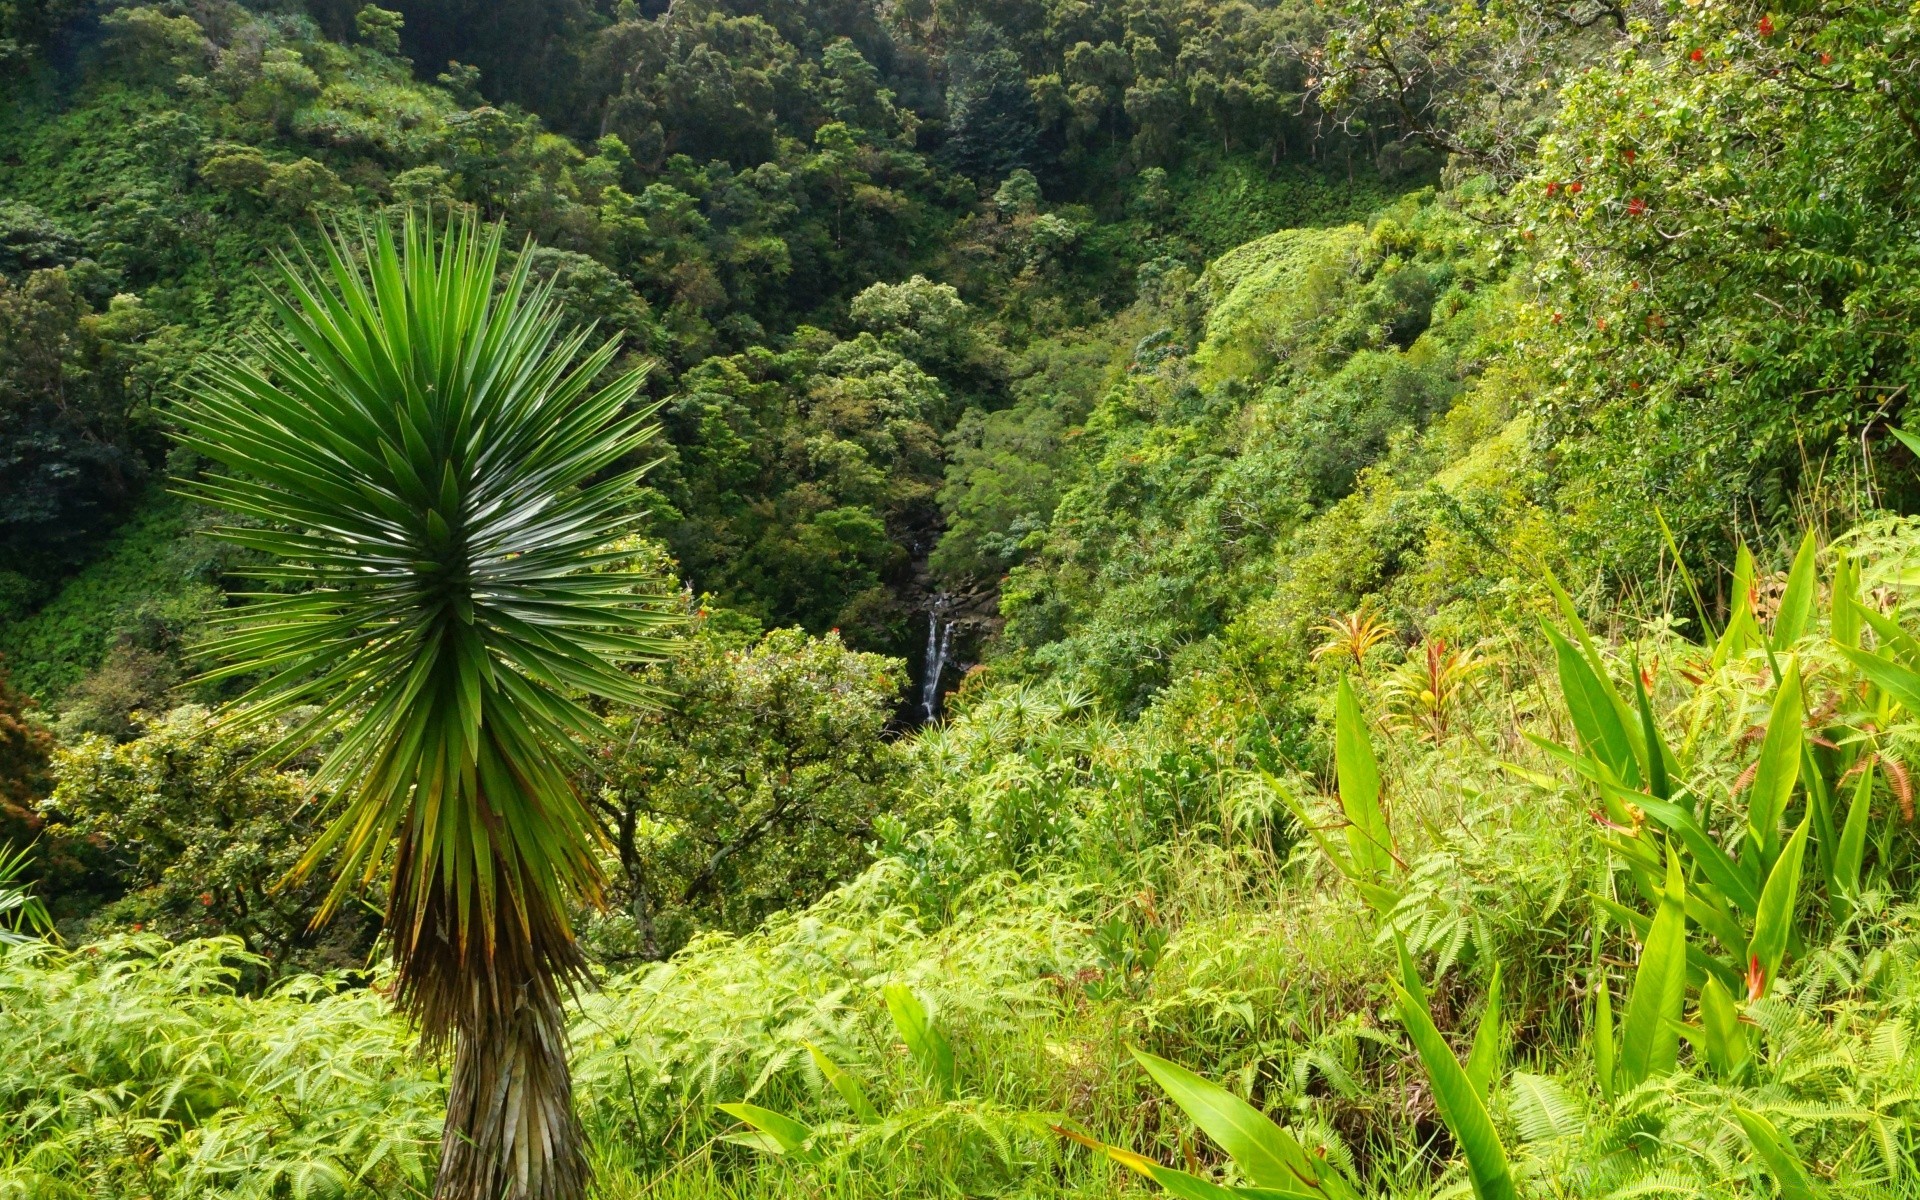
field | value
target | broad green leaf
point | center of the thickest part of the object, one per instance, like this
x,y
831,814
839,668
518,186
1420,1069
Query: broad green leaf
x,y
1266,1154
1774,922
1722,871
1724,1039
1851,852
1650,1044
1659,758
1898,682
1192,1187
1779,766
1700,964
1459,1101
1368,838
1483,1062
1796,603
1595,716
845,1084
1600,1033
1743,629
1180,1183
925,1041
1845,616
1895,641
787,1134
1778,1154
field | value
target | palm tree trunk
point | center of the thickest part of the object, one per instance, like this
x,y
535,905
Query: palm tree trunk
x,y
511,1133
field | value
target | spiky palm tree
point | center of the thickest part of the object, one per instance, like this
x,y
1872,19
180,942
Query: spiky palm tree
x,y
426,462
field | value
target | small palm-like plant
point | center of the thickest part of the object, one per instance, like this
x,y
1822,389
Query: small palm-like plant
x,y
1425,693
436,480
1351,636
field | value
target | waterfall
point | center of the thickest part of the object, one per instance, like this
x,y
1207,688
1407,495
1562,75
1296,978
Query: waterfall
x,y
939,642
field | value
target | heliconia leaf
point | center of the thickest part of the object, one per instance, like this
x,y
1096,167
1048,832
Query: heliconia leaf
x,y
1484,1060
1368,838
1192,1187
1851,852
1774,921
1380,897
1844,609
1180,1183
1700,964
1659,758
1600,1033
1721,870
1898,682
1266,1154
1459,1101
845,1084
1723,1038
1595,717
1743,628
788,1136
1778,1155
1778,770
1796,602
1895,641
1650,1044
925,1041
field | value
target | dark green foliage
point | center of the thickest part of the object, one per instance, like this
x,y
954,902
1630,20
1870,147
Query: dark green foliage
x,y
76,437
992,123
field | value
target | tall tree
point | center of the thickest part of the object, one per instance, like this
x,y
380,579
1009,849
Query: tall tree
x,y
439,484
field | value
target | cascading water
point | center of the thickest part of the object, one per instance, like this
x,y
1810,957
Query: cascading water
x,y
939,643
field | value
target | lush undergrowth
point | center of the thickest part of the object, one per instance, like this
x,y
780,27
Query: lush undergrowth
x,y
1091,434
1080,889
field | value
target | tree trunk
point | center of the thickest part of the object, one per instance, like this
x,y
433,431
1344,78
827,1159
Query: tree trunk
x,y
511,1133
500,1001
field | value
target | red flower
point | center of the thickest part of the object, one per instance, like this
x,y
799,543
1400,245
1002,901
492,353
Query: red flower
x,y
1766,26
1633,385
1629,154
1555,318
1552,188
137,926
1573,189
206,899
1697,55
1634,285
1636,206
1826,60
1602,324
1756,978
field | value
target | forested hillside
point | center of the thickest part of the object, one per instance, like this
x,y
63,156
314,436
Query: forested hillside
x,y
1290,599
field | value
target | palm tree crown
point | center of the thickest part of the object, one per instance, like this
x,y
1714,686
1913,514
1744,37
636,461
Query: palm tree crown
x,y
436,482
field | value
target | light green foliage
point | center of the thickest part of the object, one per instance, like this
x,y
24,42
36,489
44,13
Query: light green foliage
x,y
756,790
201,844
